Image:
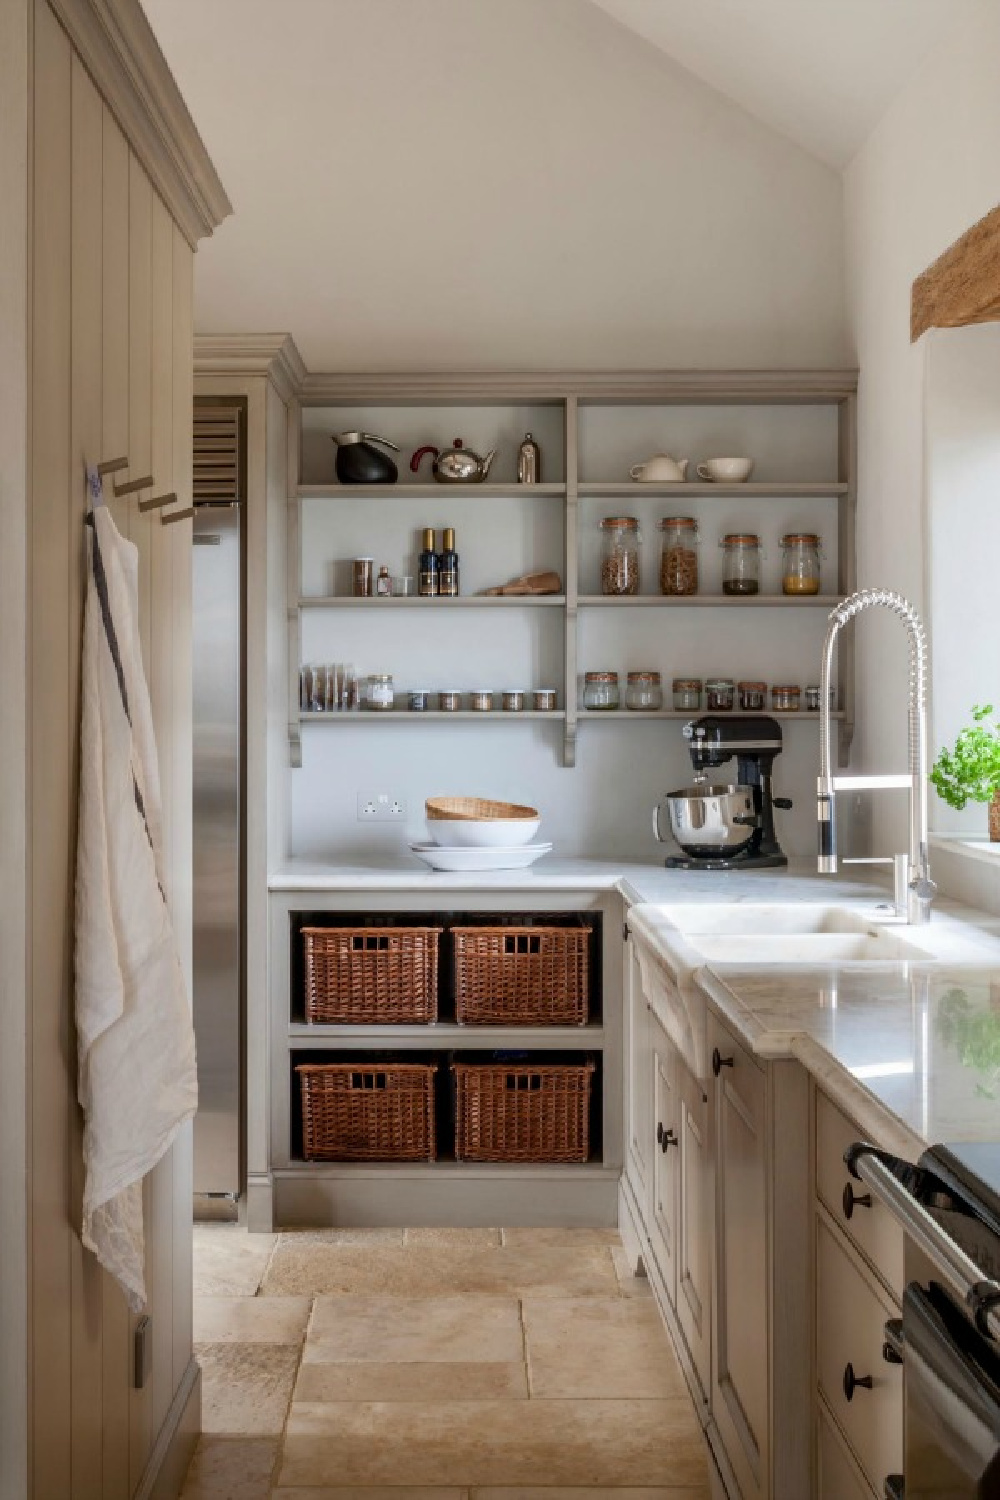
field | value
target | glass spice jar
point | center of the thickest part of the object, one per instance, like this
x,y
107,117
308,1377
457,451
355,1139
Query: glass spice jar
x,y
800,566
620,541
643,690
740,563
449,701
513,700
720,694
753,696
481,700
543,700
813,698
600,690
379,694
687,693
419,700
678,557
785,698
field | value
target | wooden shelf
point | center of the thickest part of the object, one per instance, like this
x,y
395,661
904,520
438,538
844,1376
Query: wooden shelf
x,y
445,1034
616,715
466,601
335,491
758,491
708,601
372,718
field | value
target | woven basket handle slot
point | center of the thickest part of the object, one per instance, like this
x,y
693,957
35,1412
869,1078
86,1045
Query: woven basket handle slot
x,y
371,942
522,942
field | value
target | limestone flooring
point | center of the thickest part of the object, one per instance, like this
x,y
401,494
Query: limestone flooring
x,y
425,1364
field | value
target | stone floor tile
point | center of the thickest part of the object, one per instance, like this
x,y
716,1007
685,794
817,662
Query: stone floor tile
x,y
250,1320
426,1270
629,1284
414,1381
397,1330
593,1347
231,1469
583,1443
573,1239
341,1236
375,1492
561,1492
483,1238
229,1262
246,1388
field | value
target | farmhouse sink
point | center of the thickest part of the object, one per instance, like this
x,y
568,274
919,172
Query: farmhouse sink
x,y
751,917
875,946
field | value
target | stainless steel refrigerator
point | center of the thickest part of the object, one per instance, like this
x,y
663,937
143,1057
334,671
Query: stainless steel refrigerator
x,y
218,857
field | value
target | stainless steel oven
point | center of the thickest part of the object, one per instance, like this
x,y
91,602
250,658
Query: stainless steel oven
x,y
948,1203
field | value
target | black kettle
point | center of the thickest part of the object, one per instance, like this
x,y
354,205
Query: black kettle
x,y
359,463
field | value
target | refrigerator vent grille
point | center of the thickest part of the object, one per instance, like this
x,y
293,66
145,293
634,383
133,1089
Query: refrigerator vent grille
x,y
216,455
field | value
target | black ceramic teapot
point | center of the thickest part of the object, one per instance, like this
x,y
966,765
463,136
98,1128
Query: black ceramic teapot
x,y
359,463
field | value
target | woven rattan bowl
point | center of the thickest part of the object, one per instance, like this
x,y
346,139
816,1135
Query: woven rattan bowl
x,y
479,823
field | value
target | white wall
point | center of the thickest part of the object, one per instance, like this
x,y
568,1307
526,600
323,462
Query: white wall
x,y
518,184
928,171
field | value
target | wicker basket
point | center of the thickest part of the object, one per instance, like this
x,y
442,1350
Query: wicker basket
x,y
523,976
360,975
522,1113
367,1111
479,809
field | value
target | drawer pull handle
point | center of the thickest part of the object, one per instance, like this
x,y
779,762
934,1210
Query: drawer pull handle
x,y
852,1381
892,1347
853,1200
719,1062
665,1138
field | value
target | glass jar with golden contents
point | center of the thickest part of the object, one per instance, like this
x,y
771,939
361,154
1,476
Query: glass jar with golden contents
x,y
800,563
786,697
600,690
678,555
643,691
620,541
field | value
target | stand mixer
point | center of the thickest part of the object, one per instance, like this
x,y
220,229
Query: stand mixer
x,y
729,826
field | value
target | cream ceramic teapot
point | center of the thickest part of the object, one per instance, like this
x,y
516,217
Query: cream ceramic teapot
x,y
660,469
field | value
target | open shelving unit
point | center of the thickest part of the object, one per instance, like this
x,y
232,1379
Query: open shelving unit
x,y
587,423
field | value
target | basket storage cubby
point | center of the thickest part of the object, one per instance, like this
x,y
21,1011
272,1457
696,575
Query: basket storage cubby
x,y
367,1111
521,976
522,1112
370,975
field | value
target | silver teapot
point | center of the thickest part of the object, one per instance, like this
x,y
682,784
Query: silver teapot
x,y
455,465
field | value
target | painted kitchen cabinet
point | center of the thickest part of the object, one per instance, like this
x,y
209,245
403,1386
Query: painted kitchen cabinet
x,y
639,1090
694,1243
665,1205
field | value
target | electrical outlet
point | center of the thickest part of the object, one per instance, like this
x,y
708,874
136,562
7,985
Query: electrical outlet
x,y
380,807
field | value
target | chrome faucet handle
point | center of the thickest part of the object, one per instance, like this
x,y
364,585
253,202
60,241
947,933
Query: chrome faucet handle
x,y
901,883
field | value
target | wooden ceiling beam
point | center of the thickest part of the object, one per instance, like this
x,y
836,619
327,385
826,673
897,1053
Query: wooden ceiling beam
x,y
963,285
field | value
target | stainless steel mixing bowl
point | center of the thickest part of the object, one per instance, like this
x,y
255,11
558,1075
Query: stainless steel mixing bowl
x,y
707,820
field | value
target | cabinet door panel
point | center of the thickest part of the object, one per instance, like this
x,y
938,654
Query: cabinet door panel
x,y
639,1122
740,1343
837,1475
694,1250
870,1226
665,1173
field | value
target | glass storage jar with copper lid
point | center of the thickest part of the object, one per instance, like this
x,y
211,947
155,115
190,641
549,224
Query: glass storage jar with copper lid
x,y
620,541
720,694
678,555
740,563
600,690
800,563
643,690
786,697
753,696
687,693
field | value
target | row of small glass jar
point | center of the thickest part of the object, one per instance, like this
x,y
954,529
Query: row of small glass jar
x,y
381,695
644,690
621,539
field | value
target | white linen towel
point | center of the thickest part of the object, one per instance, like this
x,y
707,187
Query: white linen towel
x,y
137,1075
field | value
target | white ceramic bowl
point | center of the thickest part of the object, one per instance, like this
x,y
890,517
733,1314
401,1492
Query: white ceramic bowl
x,y
482,833
726,470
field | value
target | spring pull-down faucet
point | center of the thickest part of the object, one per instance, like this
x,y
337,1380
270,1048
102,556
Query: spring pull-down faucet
x,y
914,888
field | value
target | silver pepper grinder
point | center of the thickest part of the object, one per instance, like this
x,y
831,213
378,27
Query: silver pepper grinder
x,y
529,461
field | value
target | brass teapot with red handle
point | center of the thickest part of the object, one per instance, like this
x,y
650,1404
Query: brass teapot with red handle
x,y
455,465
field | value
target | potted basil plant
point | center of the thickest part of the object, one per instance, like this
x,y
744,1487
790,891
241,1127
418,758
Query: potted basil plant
x,y
970,770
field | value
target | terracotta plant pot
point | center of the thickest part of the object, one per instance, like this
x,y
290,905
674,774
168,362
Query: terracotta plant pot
x,y
994,818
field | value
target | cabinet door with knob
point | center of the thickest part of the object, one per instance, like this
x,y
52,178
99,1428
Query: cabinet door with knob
x,y
665,1175
865,1221
740,1342
694,1242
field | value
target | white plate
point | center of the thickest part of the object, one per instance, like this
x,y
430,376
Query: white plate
x,y
461,859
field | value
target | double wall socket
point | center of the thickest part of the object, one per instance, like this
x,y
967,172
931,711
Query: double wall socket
x,y
380,807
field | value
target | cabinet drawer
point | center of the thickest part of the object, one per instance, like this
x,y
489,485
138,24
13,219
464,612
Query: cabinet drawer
x,y
837,1475
873,1230
850,1320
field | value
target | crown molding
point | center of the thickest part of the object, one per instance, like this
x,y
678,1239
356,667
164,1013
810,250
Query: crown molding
x,y
273,355
117,47
594,385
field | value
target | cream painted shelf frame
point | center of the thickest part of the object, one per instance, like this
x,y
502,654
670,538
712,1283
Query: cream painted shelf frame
x,y
571,391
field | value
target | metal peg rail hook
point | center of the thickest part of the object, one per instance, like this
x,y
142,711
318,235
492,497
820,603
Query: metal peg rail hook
x,y
177,515
112,466
133,486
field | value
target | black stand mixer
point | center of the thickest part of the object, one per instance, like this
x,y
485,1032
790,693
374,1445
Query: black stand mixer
x,y
731,826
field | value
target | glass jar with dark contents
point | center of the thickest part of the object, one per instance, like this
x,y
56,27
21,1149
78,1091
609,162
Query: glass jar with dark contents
x,y
753,697
740,563
720,693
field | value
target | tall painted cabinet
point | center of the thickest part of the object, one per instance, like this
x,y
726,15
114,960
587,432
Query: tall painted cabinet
x,y
107,190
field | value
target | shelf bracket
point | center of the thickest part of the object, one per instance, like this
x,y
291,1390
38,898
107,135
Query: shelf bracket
x,y
294,746
569,742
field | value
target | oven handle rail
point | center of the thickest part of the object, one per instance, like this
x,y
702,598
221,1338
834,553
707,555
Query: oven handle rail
x,y
981,1296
